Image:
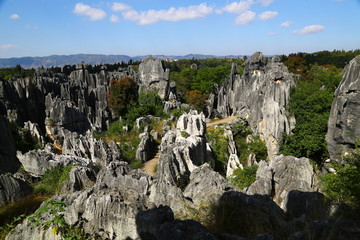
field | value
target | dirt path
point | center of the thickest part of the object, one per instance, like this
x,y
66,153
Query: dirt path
x,y
149,166
221,121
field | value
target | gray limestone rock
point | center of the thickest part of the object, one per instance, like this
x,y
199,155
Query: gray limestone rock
x,y
85,146
259,96
146,147
8,160
344,124
153,77
12,188
37,162
79,178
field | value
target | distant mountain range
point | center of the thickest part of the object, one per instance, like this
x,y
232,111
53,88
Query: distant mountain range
x,y
61,60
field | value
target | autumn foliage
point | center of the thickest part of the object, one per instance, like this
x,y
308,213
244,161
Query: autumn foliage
x,y
122,93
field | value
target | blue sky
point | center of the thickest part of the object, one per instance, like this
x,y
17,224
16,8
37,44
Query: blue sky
x,y
140,27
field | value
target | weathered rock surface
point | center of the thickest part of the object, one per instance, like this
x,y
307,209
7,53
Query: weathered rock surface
x,y
79,178
259,96
344,124
145,149
8,160
12,188
290,181
37,162
153,77
86,146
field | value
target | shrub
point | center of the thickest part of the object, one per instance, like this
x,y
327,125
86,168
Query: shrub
x,y
51,215
243,178
197,99
121,95
343,188
219,146
52,181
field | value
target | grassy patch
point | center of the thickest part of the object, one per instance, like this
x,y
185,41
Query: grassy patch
x,y
243,178
14,213
52,181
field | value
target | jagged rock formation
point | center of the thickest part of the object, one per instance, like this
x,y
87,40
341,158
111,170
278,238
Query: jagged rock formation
x,y
79,178
259,96
85,146
292,183
12,188
153,77
37,162
344,124
144,151
8,160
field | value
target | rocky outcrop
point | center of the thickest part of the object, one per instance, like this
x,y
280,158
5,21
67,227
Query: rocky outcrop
x,y
145,149
260,96
291,182
344,125
86,146
182,150
160,224
12,188
37,162
8,160
153,77
79,178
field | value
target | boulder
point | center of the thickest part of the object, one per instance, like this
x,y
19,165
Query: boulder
x,y
37,162
79,178
344,125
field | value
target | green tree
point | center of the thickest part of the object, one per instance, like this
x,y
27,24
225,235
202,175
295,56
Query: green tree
x,y
310,103
122,93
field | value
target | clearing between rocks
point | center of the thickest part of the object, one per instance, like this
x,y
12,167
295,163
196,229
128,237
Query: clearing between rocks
x,y
221,121
149,166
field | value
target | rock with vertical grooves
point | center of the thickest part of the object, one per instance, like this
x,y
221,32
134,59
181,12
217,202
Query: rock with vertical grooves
x,y
12,188
259,96
153,77
344,125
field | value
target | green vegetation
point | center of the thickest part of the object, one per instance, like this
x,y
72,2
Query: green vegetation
x,y
14,213
219,146
243,178
23,139
343,188
122,94
52,181
200,76
18,71
310,103
337,58
255,145
57,222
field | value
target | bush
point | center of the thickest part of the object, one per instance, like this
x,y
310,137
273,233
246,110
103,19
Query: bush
x,y
121,95
243,178
343,188
219,146
52,181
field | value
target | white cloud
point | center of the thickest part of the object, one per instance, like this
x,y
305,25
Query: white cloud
x,y
92,13
245,18
268,15
172,14
286,24
266,2
15,16
237,7
114,18
309,30
7,46
271,34
118,7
